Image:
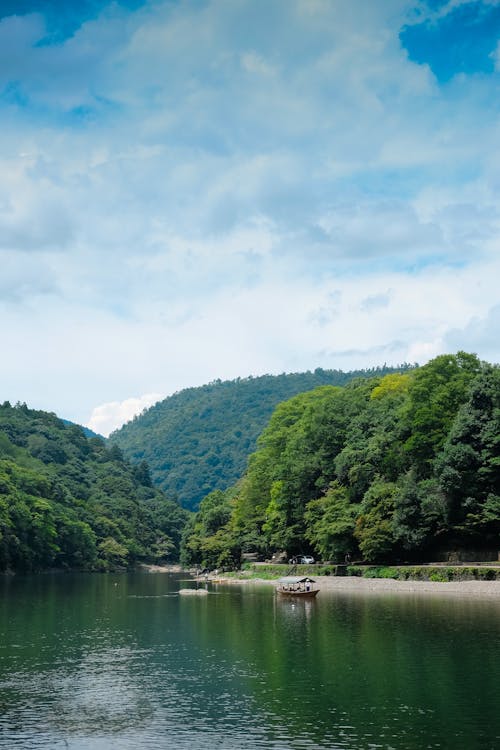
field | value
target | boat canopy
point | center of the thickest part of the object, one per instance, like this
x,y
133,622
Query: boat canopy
x,y
290,580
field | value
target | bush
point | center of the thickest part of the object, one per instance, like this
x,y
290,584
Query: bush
x,y
354,570
439,577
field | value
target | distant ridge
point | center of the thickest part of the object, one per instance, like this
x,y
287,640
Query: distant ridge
x,y
86,430
199,439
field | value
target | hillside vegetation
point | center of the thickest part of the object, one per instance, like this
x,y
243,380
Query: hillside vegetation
x,y
68,501
397,467
199,439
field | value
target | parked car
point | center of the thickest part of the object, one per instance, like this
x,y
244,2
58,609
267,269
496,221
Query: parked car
x,y
307,560
301,560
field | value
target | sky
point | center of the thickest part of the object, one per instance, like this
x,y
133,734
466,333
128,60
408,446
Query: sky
x,y
221,188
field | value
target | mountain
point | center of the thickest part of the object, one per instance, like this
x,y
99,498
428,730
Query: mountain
x,y
68,501
199,439
86,430
403,468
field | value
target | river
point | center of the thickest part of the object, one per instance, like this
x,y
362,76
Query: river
x,y
105,662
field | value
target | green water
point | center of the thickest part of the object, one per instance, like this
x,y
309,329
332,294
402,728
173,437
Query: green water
x,y
123,661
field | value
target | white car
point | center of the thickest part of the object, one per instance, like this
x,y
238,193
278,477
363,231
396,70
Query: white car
x,y
307,560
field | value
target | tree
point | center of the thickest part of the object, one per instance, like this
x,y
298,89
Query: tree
x,y
209,539
436,392
113,554
374,525
468,467
331,522
419,514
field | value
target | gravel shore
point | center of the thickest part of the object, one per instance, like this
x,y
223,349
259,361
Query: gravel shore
x,y
355,584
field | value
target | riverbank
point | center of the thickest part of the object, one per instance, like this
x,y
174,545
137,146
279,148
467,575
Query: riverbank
x,y
357,585
351,584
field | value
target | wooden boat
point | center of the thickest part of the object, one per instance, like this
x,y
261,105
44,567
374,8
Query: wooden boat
x,y
296,587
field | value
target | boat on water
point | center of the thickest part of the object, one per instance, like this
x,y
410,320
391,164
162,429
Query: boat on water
x,y
297,587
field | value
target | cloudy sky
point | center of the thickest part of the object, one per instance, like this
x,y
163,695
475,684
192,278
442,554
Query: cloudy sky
x,y
216,188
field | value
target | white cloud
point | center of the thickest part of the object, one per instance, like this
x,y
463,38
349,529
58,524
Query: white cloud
x,y
108,417
187,194
278,324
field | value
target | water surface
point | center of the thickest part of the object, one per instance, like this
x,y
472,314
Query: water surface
x,y
122,661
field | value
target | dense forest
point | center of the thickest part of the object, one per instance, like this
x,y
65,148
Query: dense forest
x,y
390,466
396,467
69,501
199,439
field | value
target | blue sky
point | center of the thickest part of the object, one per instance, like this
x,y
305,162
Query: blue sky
x,y
216,188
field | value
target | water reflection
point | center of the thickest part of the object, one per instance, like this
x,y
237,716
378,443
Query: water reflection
x,y
90,662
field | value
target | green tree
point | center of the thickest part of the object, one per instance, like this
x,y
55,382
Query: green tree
x,y
374,525
468,467
420,514
113,554
331,523
209,539
436,393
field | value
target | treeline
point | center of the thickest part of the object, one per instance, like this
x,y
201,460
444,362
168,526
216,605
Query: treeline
x,y
199,439
68,501
398,467
392,466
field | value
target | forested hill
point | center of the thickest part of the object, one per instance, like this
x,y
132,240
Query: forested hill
x,y
399,468
199,439
68,501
